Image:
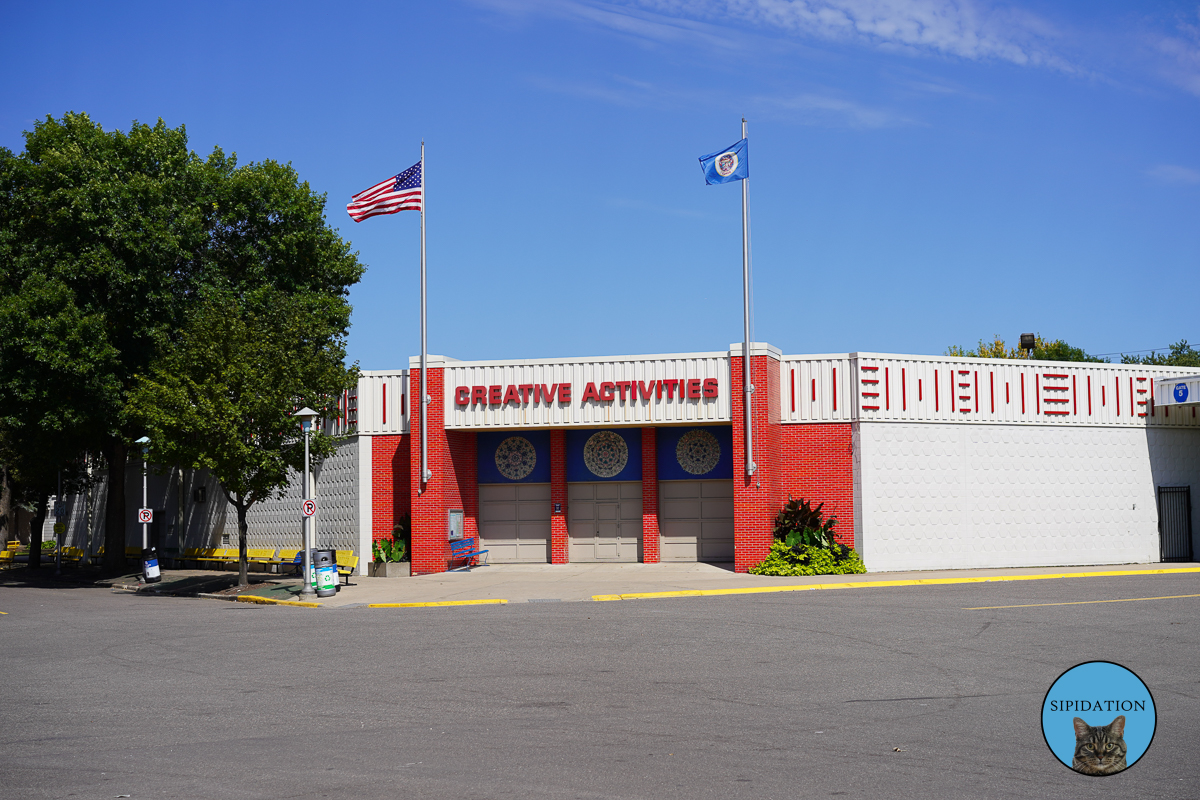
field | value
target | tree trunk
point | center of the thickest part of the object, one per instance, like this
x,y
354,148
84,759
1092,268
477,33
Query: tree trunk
x,y
243,529
117,454
8,525
35,531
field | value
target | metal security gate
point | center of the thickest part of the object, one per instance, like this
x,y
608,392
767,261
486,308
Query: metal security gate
x,y
1175,523
696,520
605,521
514,522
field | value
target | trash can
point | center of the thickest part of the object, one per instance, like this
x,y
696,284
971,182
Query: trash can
x,y
325,572
150,570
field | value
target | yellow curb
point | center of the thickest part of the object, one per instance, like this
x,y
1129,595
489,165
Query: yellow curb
x,y
3,612
250,598
439,603
884,584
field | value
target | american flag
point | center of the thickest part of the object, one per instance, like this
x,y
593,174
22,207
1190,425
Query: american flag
x,y
402,192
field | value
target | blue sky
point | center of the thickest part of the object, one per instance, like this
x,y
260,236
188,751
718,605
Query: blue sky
x,y
924,173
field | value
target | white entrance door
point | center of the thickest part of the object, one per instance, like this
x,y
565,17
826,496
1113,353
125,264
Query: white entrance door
x,y
514,522
605,521
696,520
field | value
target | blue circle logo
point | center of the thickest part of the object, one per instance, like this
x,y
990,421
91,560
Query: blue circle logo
x,y
1098,718
1181,393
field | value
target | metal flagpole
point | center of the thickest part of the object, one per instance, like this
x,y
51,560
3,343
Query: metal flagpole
x,y
747,386
425,473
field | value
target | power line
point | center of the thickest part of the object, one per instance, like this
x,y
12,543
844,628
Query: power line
x,y
1131,352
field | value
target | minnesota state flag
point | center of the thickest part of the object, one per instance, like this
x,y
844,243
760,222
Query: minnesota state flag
x,y
725,166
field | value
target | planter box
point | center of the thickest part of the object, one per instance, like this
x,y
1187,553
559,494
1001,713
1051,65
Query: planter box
x,y
389,569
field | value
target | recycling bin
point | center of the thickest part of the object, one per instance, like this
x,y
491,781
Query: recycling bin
x,y
150,571
325,577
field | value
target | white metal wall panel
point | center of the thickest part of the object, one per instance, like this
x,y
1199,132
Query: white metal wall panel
x,y
816,388
383,402
960,390
642,370
939,496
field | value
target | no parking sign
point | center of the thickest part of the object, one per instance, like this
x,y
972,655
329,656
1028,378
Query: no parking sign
x,y
145,515
308,508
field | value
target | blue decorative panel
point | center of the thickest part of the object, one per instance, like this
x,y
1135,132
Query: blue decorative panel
x,y
513,456
700,453
613,454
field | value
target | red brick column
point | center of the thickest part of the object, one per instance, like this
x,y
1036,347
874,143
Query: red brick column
x,y
756,498
454,483
559,550
390,492
650,533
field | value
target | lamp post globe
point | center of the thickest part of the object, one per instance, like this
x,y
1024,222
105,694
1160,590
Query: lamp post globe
x,y
306,416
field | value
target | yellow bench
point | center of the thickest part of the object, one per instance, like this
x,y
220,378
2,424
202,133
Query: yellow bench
x,y
347,562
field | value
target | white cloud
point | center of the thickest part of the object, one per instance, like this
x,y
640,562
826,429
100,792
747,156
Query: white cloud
x,y
961,28
812,109
1175,174
1182,54
808,108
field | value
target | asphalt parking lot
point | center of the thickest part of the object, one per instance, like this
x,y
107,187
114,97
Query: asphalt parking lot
x,y
910,692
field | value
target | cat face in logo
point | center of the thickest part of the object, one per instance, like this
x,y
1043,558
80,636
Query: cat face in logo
x,y
1099,750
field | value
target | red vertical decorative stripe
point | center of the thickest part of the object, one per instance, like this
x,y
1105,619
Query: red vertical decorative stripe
x,y
1037,387
814,390
1022,392
1117,394
1152,397
1007,394
385,403
887,391
793,391
835,388
920,390
1089,390
992,389
1074,397
935,390
1132,400
976,391
903,392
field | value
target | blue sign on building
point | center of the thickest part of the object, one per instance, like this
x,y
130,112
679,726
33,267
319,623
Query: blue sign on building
x,y
614,454
1181,392
513,457
700,453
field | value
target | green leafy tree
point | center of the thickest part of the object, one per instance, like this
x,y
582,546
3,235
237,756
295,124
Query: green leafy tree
x,y
1181,354
101,235
265,336
1043,350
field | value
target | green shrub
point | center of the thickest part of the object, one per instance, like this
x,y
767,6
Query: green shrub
x,y
798,523
397,548
809,560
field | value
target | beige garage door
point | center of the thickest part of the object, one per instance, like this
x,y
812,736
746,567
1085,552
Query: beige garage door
x,y
605,521
696,520
514,522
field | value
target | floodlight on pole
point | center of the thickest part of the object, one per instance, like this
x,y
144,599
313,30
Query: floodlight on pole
x,y
306,417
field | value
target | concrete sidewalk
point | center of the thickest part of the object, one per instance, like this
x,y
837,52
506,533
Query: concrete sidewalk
x,y
520,583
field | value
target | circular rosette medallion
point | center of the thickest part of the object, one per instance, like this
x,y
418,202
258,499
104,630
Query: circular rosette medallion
x,y
605,454
516,458
698,452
